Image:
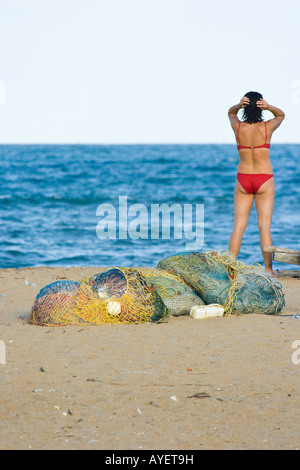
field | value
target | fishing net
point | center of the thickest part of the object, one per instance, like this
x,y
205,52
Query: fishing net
x,y
54,304
178,297
118,295
202,272
254,291
218,278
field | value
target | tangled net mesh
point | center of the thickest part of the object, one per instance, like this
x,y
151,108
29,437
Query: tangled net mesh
x,y
54,304
217,278
203,272
118,295
178,297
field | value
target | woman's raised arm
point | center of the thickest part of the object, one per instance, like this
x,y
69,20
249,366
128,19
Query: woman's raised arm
x,y
232,112
278,113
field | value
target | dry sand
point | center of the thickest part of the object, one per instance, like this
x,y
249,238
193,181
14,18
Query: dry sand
x,y
219,383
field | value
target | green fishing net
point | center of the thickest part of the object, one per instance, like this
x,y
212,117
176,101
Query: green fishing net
x,y
217,278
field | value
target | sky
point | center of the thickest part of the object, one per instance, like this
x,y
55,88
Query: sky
x,y
144,71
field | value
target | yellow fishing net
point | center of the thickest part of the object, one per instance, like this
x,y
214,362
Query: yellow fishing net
x,y
54,304
118,295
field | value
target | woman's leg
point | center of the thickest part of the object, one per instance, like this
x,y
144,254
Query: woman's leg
x,y
264,200
242,205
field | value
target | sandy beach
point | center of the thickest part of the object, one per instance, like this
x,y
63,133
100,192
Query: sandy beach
x,y
185,384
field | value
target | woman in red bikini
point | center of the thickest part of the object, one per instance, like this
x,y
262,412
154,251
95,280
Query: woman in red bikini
x,y
255,179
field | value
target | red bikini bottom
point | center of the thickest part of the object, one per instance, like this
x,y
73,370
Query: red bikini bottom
x,y
252,182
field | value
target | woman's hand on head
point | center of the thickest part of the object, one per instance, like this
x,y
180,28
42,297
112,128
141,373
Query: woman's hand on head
x,y
244,101
262,104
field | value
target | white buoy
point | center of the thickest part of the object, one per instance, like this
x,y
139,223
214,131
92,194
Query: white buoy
x,y
206,311
113,308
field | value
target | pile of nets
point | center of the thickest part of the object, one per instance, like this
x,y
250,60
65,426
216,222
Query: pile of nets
x,y
178,297
118,295
218,278
178,283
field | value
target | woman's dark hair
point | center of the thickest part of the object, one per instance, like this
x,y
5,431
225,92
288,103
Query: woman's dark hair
x,y
252,113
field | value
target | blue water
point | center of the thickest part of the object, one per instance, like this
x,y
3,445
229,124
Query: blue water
x,y
49,196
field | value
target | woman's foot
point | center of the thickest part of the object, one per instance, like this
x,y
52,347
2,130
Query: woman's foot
x,y
272,272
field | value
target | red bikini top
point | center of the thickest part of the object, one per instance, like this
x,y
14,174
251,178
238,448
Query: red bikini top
x,y
264,146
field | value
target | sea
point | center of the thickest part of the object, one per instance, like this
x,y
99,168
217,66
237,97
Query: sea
x,y
132,205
